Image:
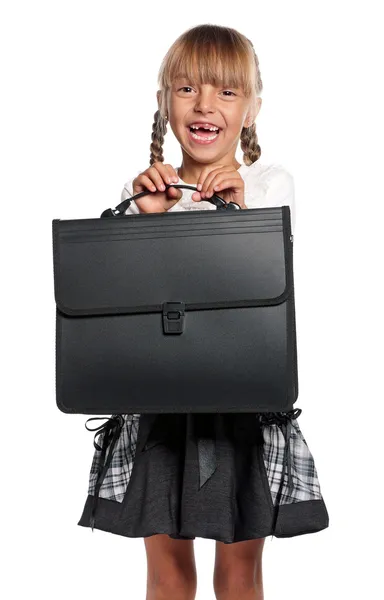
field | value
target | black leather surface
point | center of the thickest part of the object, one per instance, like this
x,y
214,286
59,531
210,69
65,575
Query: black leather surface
x,y
233,272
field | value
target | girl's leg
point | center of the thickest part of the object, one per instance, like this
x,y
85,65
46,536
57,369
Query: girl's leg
x,y
171,568
238,570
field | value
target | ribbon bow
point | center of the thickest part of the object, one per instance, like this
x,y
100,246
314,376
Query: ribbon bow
x,y
111,432
283,420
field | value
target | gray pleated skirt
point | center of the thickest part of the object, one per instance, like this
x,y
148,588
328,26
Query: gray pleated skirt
x,y
223,476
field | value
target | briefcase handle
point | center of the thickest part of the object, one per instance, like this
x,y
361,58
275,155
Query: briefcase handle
x,y
119,210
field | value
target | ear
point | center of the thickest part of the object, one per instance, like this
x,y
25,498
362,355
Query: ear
x,y
253,112
158,96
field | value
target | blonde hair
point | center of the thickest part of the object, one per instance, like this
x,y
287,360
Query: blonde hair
x,y
209,54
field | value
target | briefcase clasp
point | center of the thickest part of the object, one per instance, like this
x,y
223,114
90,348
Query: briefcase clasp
x,y
173,317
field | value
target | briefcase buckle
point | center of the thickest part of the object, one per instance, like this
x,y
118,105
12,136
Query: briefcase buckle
x,y
173,317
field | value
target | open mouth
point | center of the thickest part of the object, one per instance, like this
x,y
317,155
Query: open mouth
x,y
202,135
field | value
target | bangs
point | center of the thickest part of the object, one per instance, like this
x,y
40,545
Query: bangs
x,y
210,55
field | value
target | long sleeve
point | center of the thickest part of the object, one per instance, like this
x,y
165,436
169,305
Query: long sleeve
x,y
281,192
127,192
274,187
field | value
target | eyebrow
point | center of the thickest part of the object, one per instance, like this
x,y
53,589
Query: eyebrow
x,y
224,85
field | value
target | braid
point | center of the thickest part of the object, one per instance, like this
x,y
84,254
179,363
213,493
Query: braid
x,y
249,144
159,129
248,137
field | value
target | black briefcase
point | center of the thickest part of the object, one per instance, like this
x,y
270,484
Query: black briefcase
x,y
175,312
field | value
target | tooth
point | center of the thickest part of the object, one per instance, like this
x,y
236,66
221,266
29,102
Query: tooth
x,y
211,128
199,137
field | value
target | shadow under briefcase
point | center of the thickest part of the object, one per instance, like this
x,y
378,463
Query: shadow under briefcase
x,y
175,312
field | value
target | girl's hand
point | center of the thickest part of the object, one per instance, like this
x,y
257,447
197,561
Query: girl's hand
x,y
224,180
152,179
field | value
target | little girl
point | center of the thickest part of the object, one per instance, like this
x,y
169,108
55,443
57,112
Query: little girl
x,y
151,475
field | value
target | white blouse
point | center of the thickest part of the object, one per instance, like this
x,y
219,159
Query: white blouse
x,y
264,186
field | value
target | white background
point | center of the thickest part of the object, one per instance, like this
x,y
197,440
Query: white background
x,y
79,83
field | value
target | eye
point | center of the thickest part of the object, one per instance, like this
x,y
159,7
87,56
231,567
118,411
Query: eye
x,y
186,87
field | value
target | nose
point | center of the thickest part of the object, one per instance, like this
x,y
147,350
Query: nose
x,y
205,101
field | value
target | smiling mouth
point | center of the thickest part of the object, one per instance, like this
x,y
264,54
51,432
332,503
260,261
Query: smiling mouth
x,y
203,135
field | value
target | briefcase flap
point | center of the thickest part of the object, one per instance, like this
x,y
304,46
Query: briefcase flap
x,y
205,260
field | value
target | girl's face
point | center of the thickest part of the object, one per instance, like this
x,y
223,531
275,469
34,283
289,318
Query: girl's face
x,y
227,108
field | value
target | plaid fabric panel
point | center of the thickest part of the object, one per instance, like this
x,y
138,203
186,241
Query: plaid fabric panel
x,y
119,472
303,470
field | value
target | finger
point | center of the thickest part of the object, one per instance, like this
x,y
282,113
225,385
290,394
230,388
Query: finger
x,y
174,178
214,173
221,182
165,172
204,174
145,182
157,178
174,193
